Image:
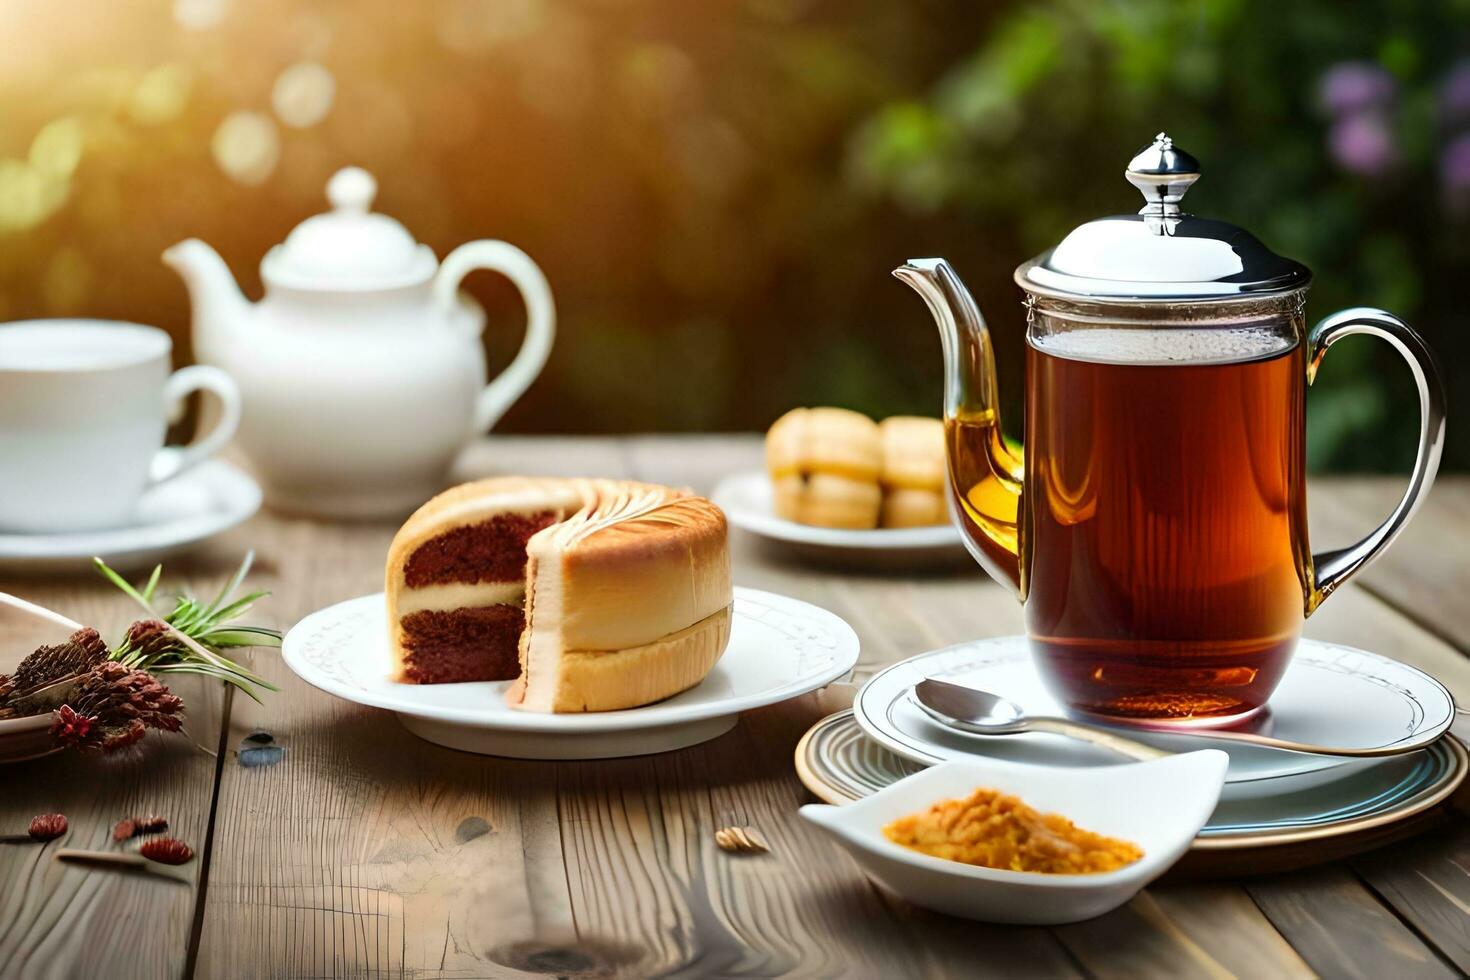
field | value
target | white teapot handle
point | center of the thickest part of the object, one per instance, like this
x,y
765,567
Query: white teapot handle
x,y
515,265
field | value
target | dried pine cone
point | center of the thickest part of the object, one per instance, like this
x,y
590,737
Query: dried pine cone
x,y
82,651
48,826
150,637
166,850
114,707
133,826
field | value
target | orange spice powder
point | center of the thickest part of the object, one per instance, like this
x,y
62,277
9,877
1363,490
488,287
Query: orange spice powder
x,y
993,830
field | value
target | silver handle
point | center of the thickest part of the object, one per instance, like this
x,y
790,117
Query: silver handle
x,y
1332,568
1097,736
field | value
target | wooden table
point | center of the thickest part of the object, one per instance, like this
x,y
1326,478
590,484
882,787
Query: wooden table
x,y
368,852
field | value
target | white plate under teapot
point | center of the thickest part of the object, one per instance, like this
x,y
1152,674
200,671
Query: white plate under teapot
x,y
1330,695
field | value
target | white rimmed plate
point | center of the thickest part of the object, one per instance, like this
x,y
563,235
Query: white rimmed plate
x,y
1158,805
196,505
779,648
840,765
746,499
1331,695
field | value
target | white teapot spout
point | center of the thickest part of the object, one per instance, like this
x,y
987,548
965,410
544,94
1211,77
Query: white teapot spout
x,y
219,308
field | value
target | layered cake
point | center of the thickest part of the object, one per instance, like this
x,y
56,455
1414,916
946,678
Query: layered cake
x,y
593,595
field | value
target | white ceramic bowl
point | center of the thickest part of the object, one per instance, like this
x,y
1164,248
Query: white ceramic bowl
x,y
1158,805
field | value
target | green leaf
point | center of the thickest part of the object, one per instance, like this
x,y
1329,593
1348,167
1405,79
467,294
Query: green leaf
x,y
152,584
237,607
198,632
234,582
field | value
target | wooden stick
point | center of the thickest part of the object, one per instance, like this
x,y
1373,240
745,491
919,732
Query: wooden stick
x,y
121,860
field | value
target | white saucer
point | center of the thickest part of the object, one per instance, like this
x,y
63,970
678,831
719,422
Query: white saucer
x,y
779,648
746,499
1330,695
199,504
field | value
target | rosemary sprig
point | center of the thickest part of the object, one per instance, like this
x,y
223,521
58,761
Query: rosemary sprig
x,y
197,631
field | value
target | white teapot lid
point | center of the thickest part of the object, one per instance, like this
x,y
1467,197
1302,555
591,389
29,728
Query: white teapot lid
x,y
350,246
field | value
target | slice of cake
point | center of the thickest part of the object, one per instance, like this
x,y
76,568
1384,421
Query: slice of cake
x,y
627,602
456,579
626,598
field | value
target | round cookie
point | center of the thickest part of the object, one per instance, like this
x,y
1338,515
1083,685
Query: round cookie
x,y
913,452
913,508
825,464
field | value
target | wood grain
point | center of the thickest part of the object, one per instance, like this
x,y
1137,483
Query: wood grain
x,y
1201,931
1424,573
368,852
1341,930
1423,577
67,920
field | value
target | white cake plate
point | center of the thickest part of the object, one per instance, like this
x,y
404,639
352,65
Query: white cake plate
x,y
746,498
779,648
1330,695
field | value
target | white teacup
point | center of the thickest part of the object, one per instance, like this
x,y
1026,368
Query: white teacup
x,y
84,406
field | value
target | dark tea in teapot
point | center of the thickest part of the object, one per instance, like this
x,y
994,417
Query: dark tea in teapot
x,y
1166,538
1163,541
1155,524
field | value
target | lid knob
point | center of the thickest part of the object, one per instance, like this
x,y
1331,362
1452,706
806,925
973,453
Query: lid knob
x,y
352,189
351,246
1162,173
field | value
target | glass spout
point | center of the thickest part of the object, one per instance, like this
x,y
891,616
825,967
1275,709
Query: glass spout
x,y
985,474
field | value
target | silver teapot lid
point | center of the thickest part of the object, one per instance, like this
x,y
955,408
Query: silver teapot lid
x,y
1161,253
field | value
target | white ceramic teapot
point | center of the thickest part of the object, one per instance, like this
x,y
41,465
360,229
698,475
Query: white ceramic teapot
x,y
361,371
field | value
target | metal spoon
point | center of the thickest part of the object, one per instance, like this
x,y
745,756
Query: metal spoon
x,y
982,713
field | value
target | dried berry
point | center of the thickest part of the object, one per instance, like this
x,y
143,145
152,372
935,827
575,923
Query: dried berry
x,y
133,826
47,826
166,850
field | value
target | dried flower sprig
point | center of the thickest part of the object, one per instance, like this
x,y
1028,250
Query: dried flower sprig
x,y
114,707
82,651
188,640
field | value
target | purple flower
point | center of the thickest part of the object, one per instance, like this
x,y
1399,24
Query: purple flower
x,y
1352,87
1454,174
1362,144
1454,94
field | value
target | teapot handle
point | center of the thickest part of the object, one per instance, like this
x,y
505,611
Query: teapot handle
x,y
515,265
1332,568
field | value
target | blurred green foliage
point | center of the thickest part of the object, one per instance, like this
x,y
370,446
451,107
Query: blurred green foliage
x,y
1323,128
718,190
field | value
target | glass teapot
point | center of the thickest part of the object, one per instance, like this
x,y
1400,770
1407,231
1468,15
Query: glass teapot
x,y
1155,524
